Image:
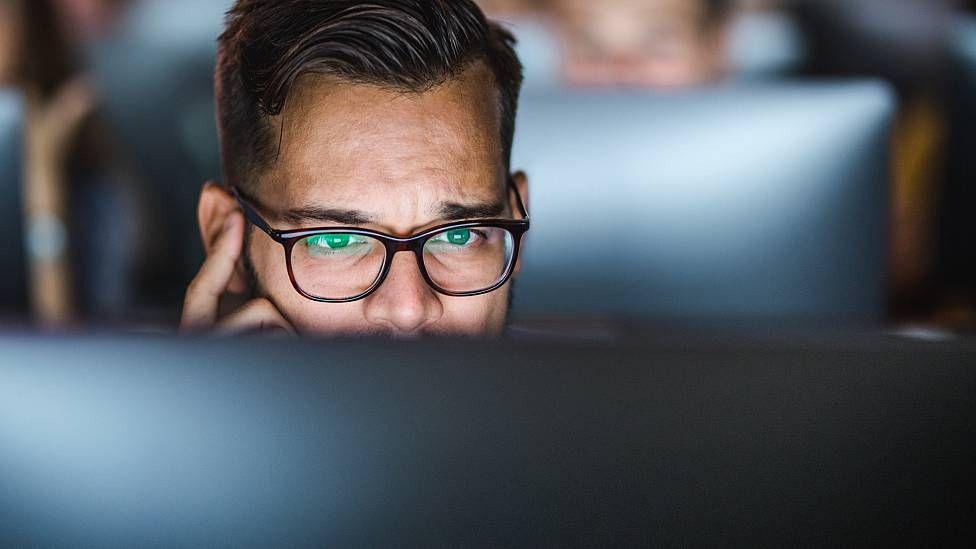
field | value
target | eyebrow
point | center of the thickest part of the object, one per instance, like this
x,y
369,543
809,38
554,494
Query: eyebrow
x,y
448,211
452,211
325,215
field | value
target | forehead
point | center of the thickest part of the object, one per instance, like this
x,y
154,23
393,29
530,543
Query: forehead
x,y
354,143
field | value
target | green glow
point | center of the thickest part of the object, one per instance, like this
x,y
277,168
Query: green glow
x,y
331,241
458,237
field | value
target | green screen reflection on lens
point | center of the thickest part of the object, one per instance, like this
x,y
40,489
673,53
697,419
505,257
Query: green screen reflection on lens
x,y
459,237
331,241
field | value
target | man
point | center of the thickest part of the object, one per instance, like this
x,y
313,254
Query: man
x,y
384,126
656,43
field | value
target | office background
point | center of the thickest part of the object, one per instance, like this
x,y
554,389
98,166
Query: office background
x,y
793,158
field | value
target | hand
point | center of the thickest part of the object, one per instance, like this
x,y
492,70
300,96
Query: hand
x,y
55,124
200,307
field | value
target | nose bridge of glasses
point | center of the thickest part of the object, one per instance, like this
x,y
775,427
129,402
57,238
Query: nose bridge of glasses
x,y
394,248
403,246
414,245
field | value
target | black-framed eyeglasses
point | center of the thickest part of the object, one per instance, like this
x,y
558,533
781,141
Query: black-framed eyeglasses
x,y
345,264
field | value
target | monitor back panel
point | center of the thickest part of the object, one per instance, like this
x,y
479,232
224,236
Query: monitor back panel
x,y
296,443
752,201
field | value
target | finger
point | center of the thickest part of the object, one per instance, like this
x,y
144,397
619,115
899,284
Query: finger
x,y
257,316
203,294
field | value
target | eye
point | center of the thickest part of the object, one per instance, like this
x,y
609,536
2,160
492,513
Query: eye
x,y
334,244
330,241
458,237
459,240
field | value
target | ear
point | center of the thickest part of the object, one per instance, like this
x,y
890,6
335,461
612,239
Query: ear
x,y
522,186
216,205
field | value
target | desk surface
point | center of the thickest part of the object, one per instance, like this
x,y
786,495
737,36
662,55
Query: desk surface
x,y
758,438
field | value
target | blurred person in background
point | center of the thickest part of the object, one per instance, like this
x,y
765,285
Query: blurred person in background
x,y
654,43
91,19
80,210
501,8
649,43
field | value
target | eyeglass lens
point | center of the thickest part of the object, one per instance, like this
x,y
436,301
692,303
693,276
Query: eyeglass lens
x,y
340,266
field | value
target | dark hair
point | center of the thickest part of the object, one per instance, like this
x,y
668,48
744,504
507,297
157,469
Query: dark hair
x,y
405,45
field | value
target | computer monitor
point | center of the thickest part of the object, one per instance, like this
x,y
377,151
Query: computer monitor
x,y
679,442
762,200
13,284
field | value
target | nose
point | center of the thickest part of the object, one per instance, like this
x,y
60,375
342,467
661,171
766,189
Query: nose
x,y
404,303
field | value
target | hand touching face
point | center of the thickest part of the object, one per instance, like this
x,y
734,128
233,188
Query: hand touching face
x,y
216,276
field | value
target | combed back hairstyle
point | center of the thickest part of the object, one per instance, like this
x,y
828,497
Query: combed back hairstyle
x,y
402,45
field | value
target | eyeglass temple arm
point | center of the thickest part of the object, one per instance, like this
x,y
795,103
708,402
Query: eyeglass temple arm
x,y
518,198
252,215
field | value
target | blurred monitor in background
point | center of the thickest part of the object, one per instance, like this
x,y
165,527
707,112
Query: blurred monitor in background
x,y
75,197
763,41
739,202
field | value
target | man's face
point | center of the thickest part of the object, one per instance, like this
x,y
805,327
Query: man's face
x,y
396,159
